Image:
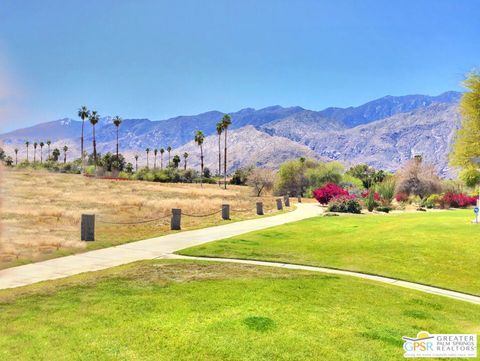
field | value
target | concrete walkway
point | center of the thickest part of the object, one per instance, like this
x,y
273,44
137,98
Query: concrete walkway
x,y
160,247
164,247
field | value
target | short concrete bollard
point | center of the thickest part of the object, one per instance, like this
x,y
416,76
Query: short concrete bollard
x,y
279,204
175,223
226,211
286,199
260,208
88,227
299,199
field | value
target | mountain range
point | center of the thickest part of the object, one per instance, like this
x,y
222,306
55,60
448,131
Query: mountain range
x,y
383,133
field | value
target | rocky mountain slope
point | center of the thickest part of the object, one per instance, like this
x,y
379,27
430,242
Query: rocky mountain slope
x,y
247,146
384,133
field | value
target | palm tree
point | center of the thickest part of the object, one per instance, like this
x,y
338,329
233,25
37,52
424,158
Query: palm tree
x,y
176,161
169,149
199,138
148,151
35,144
94,118
117,121
155,152
83,113
136,162
219,132
226,121
41,151
48,145
16,155
65,149
185,156
27,143
161,157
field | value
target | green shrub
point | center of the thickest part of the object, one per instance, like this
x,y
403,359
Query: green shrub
x,y
383,209
370,201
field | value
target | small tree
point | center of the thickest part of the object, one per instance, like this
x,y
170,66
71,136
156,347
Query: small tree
x,y
155,152
27,144
16,156
161,157
261,180
48,145
9,161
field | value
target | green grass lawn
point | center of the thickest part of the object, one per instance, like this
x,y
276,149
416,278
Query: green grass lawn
x,y
186,310
435,248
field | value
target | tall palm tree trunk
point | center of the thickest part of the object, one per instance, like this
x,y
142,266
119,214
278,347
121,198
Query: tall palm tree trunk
x,y
201,166
219,154
225,162
94,148
81,147
117,143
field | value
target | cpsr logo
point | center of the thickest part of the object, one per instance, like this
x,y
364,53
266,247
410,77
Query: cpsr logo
x,y
440,345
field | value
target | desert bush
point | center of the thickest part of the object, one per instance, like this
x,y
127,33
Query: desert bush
x,y
261,180
328,192
344,204
432,201
417,178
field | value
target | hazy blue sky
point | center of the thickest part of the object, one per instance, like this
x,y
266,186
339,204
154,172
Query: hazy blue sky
x,y
158,59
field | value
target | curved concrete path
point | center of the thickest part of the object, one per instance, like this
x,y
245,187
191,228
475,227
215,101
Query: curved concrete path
x,y
164,247
392,281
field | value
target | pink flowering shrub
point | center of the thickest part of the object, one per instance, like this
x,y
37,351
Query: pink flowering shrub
x,y
401,197
328,192
376,196
457,200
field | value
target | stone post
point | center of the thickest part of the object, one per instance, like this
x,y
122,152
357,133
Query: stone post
x,y
279,204
175,223
260,208
88,227
226,211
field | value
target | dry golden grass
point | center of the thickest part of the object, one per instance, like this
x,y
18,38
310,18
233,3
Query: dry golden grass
x,y
41,211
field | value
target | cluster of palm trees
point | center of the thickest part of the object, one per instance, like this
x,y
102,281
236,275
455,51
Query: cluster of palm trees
x,y
175,160
93,117
56,152
199,138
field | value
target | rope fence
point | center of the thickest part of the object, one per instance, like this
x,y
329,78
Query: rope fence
x,y
88,221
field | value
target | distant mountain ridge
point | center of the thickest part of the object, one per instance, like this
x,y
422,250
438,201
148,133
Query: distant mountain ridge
x,y
333,133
